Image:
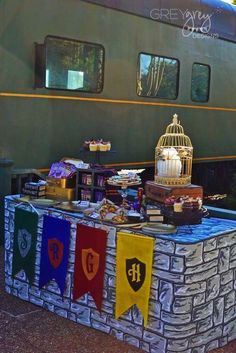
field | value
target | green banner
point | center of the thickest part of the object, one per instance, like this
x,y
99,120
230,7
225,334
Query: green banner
x,y
24,246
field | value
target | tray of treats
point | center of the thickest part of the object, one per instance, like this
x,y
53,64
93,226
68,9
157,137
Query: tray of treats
x,y
183,210
107,211
124,180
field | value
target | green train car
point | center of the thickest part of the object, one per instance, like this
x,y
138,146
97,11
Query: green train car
x,y
118,70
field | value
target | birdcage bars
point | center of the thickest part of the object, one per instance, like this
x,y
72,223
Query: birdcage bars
x,y
173,156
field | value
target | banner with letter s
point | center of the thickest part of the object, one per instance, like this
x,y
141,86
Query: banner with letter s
x,y
90,263
24,244
134,272
54,251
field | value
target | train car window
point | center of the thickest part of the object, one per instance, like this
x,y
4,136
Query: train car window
x,y
73,65
200,82
157,77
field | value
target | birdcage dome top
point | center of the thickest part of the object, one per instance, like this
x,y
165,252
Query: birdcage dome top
x,y
174,135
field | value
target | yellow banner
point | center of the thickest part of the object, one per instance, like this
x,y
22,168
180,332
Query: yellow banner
x,y
133,273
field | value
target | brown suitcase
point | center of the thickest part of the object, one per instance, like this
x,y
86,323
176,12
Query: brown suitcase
x,y
159,193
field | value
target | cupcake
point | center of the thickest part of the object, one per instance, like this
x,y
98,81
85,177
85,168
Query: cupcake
x,y
103,147
178,205
93,146
86,144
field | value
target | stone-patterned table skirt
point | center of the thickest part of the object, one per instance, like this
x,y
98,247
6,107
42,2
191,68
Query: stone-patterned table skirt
x,y
192,303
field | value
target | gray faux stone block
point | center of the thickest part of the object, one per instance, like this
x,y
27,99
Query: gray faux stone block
x,y
131,340
182,305
232,264
223,341
202,311
179,334
144,346
218,314
127,327
48,306
211,255
110,269
172,277
233,252
165,246
210,244
178,319
100,326
228,287
111,239
137,316
23,291
224,259
177,345
166,295
117,334
177,264
156,342
60,312
35,300
229,314
226,277
204,325
192,253
230,299
201,276
154,282
213,288
71,316
155,325
55,299
200,349
206,337
190,289
96,315
226,240
161,261
181,328
212,345
199,299
8,262
201,268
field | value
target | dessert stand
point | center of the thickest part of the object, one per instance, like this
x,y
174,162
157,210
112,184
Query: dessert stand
x,y
123,184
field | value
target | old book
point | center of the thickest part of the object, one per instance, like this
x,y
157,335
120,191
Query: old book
x,y
153,210
157,218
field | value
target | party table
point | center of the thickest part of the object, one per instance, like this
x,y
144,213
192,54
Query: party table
x,y
193,283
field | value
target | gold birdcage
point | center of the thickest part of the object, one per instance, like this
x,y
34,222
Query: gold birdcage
x,y
173,156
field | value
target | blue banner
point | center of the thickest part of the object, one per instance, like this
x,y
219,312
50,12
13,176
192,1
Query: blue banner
x,y
54,251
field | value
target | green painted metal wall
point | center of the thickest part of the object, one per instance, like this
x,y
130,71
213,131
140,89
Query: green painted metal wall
x,y
34,132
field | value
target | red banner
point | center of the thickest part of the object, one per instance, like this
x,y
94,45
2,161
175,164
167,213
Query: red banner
x,y
89,263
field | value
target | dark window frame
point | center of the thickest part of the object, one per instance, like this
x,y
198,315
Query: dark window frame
x,y
177,77
40,65
208,82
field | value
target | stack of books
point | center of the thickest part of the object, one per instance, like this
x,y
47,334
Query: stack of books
x,y
33,189
153,213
